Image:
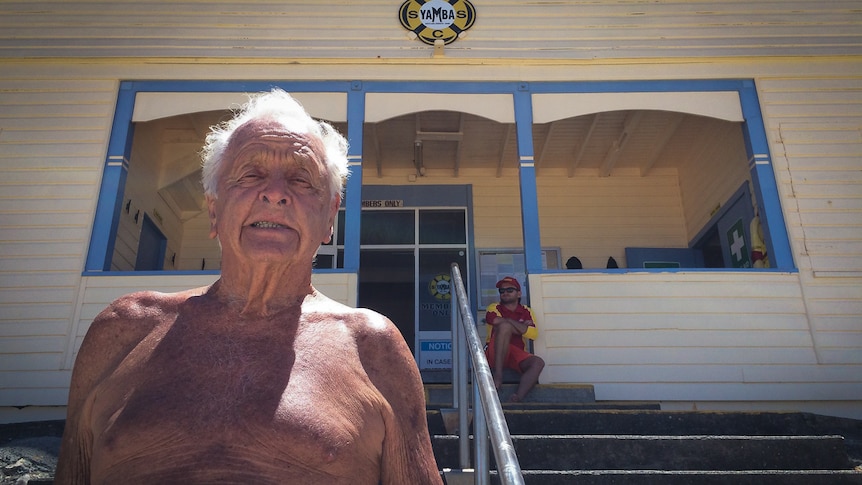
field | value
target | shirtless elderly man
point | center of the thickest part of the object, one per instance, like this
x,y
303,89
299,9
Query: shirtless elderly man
x,y
258,378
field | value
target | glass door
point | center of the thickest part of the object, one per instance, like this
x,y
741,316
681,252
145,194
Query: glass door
x,y
442,241
404,273
386,285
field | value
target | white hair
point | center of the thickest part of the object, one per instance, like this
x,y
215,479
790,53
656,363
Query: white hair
x,y
281,107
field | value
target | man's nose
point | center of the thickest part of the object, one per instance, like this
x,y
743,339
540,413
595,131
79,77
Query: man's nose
x,y
275,192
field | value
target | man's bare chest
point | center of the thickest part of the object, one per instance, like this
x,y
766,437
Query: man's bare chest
x,y
223,398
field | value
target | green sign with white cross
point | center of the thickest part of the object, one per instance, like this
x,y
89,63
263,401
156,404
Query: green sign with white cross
x,y
739,255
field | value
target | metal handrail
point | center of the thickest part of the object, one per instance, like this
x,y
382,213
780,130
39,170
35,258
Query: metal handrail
x,y
464,331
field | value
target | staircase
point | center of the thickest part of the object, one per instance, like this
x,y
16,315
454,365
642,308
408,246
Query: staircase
x,y
562,435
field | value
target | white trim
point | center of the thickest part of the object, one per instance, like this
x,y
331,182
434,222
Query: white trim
x,y
723,105
150,106
383,106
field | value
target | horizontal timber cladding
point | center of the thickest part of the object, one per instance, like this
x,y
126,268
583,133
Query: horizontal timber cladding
x,y
816,133
53,134
370,29
687,336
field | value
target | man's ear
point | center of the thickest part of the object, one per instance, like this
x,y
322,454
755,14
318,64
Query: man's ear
x,y
333,212
211,203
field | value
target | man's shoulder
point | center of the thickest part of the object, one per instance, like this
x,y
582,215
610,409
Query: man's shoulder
x,y
361,321
143,305
135,315
493,307
525,309
120,327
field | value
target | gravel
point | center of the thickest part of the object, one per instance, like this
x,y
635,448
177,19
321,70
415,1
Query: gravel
x,y
28,452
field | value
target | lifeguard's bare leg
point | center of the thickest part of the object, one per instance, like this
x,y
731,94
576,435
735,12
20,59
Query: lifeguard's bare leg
x,y
502,337
530,368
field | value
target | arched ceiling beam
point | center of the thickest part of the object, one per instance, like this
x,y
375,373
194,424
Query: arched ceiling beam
x,y
576,160
661,142
630,125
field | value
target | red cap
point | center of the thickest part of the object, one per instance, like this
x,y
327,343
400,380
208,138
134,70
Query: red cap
x,y
509,282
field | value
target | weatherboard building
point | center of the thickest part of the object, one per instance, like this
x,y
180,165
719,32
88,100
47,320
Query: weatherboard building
x,y
701,160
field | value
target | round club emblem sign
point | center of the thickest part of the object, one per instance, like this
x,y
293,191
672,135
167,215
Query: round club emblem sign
x,y
441,287
434,20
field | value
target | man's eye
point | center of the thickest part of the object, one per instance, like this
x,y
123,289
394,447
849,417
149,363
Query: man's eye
x,y
249,177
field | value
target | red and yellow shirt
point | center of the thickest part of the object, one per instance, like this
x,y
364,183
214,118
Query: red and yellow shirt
x,y
521,314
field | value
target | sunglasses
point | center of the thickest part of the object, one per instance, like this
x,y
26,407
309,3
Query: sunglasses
x,y
507,290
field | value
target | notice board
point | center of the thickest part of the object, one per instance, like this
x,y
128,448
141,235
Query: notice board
x,y
494,264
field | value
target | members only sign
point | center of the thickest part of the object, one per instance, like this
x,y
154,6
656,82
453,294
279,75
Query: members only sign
x,y
437,19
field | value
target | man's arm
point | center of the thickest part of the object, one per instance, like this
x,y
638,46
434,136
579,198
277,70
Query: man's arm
x,y
493,318
108,340
531,332
407,453
525,327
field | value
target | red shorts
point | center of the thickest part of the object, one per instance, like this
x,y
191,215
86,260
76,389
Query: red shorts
x,y
513,360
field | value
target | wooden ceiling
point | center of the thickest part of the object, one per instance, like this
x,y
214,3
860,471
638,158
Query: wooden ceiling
x,y
602,142
590,145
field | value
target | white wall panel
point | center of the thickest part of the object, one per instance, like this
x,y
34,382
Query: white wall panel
x,y
52,142
689,336
815,130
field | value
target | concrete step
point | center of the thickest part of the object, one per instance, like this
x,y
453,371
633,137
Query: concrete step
x,y
647,446
680,453
630,418
620,420
706,477
670,477
440,395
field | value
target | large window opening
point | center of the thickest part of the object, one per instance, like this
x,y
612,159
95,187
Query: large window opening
x,y
164,183
640,188
615,179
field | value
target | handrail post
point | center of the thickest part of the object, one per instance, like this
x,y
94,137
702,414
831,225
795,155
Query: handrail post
x,y
486,402
459,383
480,440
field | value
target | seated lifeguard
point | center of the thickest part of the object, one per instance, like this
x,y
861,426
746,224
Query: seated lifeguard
x,y
510,325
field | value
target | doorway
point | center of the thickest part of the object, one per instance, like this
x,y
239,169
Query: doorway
x,y
409,237
386,285
405,258
151,247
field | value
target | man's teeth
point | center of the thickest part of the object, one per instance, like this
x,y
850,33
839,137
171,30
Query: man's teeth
x,y
266,224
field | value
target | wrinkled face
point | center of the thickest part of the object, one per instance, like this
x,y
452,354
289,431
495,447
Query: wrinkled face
x,y
274,203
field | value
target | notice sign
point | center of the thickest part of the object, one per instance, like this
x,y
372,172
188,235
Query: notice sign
x,y
382,203
435,354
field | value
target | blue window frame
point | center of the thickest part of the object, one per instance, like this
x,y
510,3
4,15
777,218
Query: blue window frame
x,y
116,165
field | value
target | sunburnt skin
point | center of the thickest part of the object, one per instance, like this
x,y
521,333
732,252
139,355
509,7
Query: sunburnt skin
x,y
258,378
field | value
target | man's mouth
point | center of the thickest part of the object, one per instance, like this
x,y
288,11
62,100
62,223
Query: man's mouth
x,y
266,225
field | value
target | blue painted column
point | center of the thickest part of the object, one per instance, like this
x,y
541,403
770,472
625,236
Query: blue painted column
x,y
527,173
353,193
763,176
110,203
